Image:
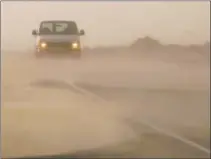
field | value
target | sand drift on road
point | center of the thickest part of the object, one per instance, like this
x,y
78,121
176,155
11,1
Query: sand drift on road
x,y
47,107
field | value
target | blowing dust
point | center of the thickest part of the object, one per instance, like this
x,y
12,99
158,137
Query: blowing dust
x,y
53,119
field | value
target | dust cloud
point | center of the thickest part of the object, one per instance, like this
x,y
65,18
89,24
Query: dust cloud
x,y
43,113
59,105
38,120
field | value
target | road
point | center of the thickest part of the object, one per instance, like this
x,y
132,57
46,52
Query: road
x,y
112,105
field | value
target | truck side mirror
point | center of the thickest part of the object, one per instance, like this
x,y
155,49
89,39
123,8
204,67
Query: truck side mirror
x,y
82,32
34,32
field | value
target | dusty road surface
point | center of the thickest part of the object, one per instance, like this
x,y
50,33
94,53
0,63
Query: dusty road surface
x,y
105,106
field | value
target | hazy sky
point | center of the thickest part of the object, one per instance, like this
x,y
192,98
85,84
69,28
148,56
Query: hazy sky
x,y
107,23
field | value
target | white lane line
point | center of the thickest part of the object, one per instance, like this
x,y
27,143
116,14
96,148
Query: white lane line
x,y
158,129
175,136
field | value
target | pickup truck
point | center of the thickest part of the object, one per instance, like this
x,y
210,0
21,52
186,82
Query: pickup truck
x,y
58,37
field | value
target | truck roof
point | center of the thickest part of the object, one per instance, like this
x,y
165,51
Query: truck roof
x,y
58,21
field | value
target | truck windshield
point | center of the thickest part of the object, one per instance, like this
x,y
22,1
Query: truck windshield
x,y
60,27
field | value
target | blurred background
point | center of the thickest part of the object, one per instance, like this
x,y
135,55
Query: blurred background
x,y
109,23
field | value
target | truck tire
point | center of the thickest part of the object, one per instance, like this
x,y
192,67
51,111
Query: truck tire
x,y
77,55
38,54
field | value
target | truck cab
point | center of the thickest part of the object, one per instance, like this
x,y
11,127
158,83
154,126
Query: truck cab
x,y
58,37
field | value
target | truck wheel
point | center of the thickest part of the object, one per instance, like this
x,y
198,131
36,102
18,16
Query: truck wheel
x,y
38,54
77,55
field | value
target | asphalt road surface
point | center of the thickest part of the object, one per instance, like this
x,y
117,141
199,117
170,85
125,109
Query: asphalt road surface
x,y
106,105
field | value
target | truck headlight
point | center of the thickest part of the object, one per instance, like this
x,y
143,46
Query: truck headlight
x,y
75,45
43,45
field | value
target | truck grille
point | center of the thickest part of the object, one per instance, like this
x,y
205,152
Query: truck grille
x,y
59,45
